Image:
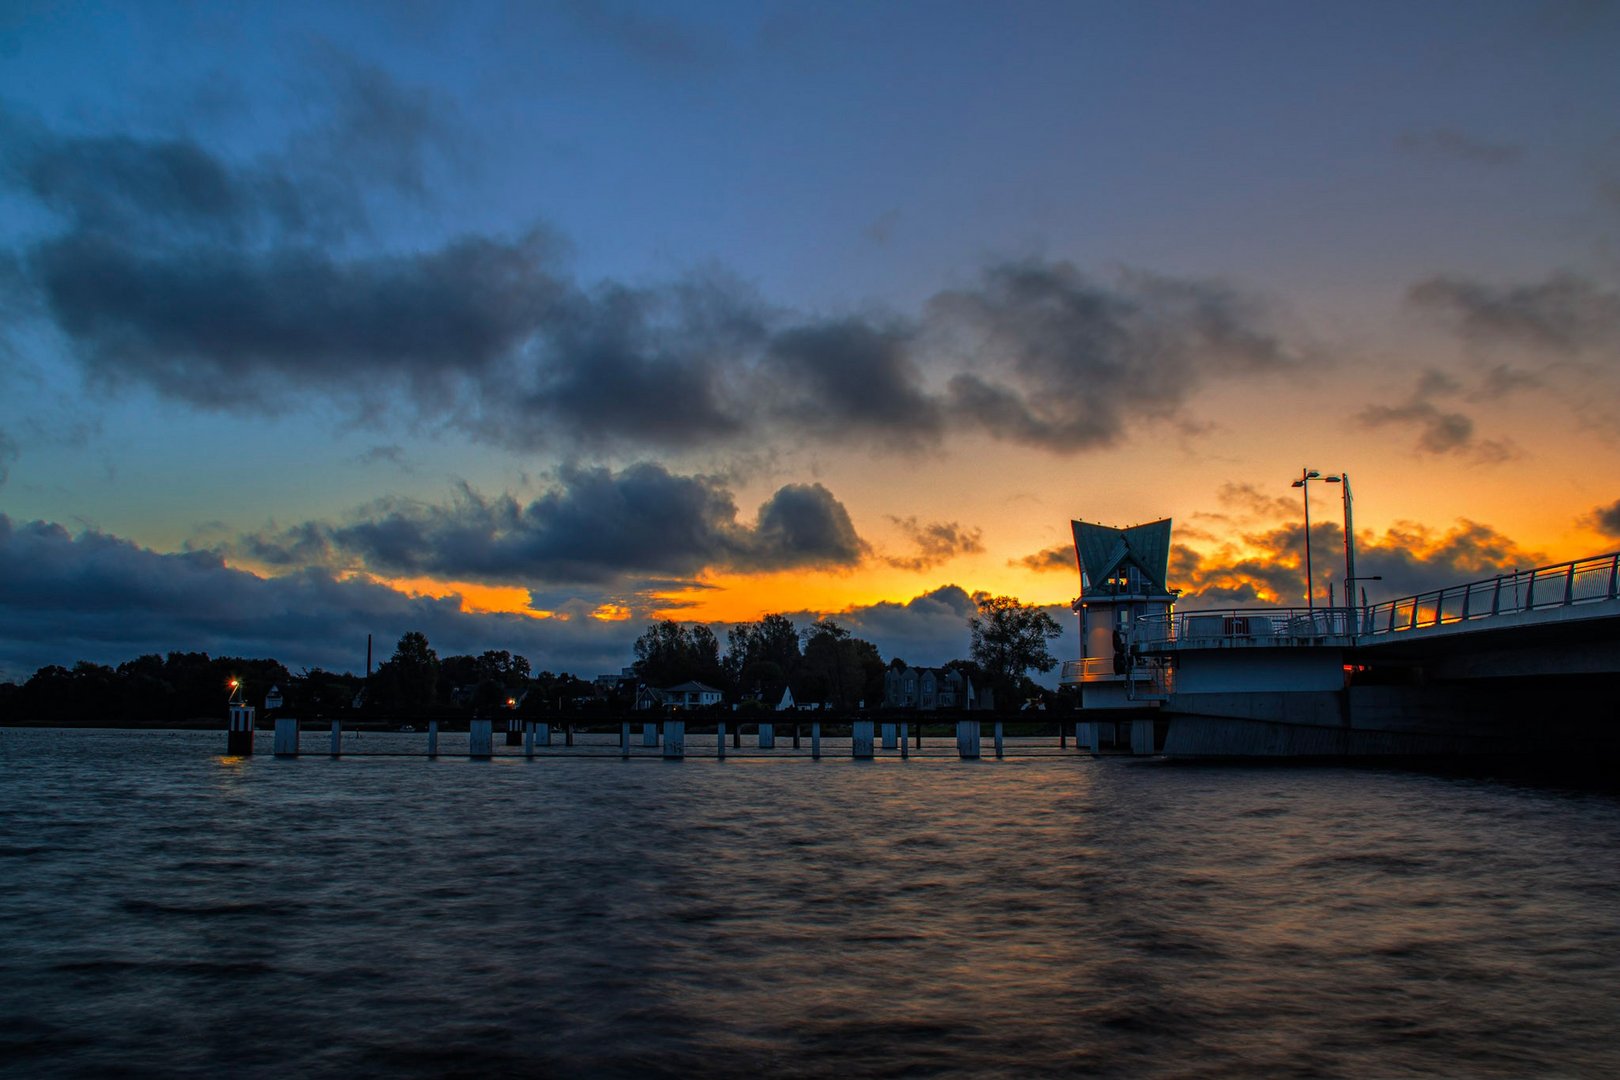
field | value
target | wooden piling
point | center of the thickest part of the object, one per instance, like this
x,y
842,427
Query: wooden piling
x,y
481,739
286,744
967,739
860,740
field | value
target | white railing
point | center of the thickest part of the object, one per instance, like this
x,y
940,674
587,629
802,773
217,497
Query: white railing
x,y
1233,626
1582,581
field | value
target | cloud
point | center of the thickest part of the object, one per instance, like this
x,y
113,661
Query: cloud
x,y
1565,314
1446,143
1439,431
1604,519
1251,503
8,454
660,42
935,542
238,286
595,527
1051,560
1066,363
1268,567
927,630
97,597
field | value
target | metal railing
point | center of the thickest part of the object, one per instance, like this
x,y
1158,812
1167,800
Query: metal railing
x,y
1233,626
1089,667
1581,581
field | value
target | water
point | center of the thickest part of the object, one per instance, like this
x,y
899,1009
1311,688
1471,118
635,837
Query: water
x,y
167,912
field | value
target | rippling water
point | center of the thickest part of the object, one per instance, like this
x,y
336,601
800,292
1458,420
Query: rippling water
x,y
168,912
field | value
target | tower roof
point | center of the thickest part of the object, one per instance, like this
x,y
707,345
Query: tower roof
x,y
1103,550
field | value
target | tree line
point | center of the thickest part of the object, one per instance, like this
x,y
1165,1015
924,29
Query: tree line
x,y
823,663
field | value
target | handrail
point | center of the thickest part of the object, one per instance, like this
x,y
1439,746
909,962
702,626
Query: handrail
x,y
1565,584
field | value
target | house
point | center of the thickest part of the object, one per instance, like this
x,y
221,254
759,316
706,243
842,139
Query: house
x,y
688,695
928,689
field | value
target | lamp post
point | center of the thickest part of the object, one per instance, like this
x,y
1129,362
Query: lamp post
x,y
1349,540
1304,481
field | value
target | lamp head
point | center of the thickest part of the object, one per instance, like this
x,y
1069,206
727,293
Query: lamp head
x,y
1332,479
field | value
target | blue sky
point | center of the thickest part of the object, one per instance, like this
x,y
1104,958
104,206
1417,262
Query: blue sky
x,y
400,297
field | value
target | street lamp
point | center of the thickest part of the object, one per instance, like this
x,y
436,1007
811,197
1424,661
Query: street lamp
x,y
1304,481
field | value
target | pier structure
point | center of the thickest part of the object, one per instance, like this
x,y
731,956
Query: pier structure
x,y
1523,665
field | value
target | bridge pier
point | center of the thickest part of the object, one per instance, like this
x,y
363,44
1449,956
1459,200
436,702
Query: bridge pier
x,y
860,740
239,733
674,740
481,739
767,736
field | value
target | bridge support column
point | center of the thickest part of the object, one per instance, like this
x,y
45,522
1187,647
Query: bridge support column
x,y
286,744
890,737
1141,736
1085,736
433,738
481,739
649,734
767,736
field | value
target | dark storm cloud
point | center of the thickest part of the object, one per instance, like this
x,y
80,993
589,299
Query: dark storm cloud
x,y
220,284
928,629
1444,142
1605,519
1565,314
849,376
597,526
934,542
101,598
1068,363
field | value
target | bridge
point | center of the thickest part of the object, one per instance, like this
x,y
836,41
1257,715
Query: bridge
x,y
1525,664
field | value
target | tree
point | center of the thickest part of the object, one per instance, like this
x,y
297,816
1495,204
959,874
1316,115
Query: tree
x,y
409,680
1009,638
668,653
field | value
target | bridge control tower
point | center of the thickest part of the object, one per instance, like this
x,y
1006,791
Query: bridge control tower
x,y
1122,580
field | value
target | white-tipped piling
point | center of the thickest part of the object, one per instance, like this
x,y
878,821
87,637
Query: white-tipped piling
x,y
514,731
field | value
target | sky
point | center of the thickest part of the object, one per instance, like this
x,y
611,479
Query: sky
x,y
524,325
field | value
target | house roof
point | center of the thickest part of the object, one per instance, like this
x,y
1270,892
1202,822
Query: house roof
x,y
1102,550
691,688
